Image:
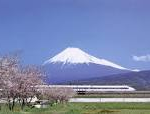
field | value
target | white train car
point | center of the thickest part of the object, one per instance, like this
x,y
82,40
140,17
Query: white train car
x,y
94,88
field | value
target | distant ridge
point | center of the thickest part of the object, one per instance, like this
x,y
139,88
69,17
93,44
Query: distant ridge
x,y
138,80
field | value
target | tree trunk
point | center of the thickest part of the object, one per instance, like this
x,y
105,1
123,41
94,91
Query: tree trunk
x,y
22,105
13,104
9,105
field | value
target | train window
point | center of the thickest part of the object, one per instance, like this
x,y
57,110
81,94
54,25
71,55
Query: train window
x,y
100,88
109,88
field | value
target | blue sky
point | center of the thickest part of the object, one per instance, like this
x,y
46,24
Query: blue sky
x,y
117,30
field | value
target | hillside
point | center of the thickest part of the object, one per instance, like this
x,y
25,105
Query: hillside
x,y
138,80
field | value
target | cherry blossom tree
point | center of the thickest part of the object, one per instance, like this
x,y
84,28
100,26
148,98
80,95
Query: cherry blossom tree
x,y
17,83
30,77
9,67
59,94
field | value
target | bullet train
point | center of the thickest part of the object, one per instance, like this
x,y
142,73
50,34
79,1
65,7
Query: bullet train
x,y
93,88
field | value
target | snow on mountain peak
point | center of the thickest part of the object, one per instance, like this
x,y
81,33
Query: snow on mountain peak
x,y
71,55
76,56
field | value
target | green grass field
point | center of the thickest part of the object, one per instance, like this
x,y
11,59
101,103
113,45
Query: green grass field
x,y
86,108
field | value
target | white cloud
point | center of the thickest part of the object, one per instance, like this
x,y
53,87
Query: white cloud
x,y
144,58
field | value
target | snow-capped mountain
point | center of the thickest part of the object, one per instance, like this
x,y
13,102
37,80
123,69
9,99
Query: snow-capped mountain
x,y
73,64
77,56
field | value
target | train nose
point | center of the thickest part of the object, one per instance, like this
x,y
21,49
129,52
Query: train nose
x,y
131,89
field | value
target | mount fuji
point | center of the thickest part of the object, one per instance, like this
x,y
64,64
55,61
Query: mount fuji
x,y
75,64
